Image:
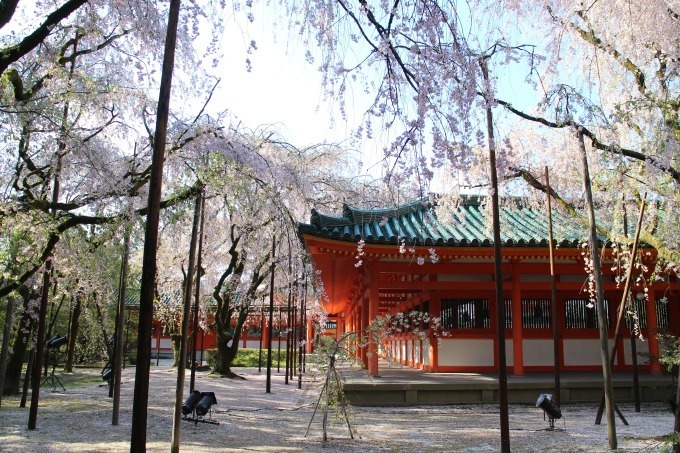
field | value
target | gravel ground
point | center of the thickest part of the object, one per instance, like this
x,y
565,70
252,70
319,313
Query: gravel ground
x,y
79,420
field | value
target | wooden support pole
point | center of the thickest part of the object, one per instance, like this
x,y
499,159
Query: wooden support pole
x,y
197,298
601,312
271,312
120,320
184,335
498,269
553,297
146,293
622,305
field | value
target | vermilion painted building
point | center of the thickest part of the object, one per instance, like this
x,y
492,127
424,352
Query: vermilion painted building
x,y
397,273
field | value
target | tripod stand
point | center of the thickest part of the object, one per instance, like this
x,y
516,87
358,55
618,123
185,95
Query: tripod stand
x,y
53,347
333,384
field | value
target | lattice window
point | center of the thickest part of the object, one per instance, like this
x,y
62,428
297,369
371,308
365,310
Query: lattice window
x,y
536,313
426,309
465,314
579,316
508,313
254,331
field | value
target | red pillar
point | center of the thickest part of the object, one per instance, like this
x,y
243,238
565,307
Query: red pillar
x,y
310,336
363,323
435,310
372,314
264,333
517,348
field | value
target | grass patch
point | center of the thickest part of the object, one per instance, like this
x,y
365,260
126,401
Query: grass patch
x,y
250,357
81,377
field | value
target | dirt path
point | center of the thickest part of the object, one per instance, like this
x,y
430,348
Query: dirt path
x,y
79,420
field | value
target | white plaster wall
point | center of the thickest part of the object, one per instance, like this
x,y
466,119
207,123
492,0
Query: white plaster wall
x,y
582,351
641,346
426,353
416,353
509,355
537,352
466,352
402,348
253,344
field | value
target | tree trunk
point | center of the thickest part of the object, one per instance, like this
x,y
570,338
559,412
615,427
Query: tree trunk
x,y
102,324
141,395
16,359
676,428
175,338
73,334
225,357
225,352
9,316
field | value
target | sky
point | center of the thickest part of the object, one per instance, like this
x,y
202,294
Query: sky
x,y
280,91
283,92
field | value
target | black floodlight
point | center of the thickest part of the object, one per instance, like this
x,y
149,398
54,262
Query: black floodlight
x,y
191,402
206,402
56,342
550,409
107,373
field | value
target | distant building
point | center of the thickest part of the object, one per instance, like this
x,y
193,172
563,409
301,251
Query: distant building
x,y
397,272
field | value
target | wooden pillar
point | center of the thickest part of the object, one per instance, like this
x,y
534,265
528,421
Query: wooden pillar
x,y
652,325
435,310
264,333
310,336
517,347
363,323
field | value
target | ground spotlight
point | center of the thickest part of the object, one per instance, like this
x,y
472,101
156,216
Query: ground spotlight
x,y
197,406
207,400
56,342
107,373
550,409
191,402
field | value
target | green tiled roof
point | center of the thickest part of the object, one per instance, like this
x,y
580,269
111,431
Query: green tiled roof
x,y
418,223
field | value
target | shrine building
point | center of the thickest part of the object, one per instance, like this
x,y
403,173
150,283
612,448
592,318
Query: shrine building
x,y
414,261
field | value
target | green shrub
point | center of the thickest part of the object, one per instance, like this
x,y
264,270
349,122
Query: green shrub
x,y
246,357
132,357
210,356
